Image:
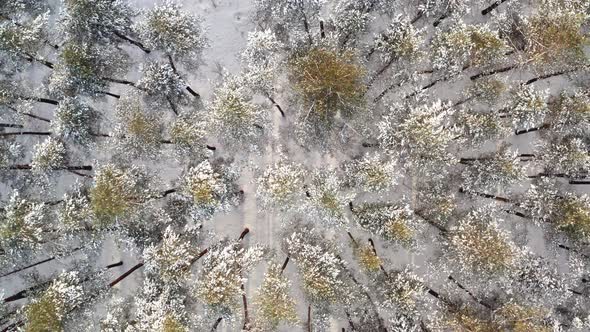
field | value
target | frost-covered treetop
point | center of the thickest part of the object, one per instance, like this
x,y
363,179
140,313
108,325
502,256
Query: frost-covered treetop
x,y
172,30
294,165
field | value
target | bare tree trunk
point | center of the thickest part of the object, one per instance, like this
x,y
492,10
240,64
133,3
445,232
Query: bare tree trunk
x,y
66,168
214,328
32,58
172,106
563,246
379,72
284,266
440,19
352,238
493,6
245,303
546,76
22,133
40,100
131,41
109,94
118,81
492,72
497,198
469,292
10,125
38,263
125,275
276,105
28,114
188,88
26,292
530,130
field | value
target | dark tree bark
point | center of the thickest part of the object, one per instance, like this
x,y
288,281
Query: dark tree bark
x,y
24,133
497,198
276,105
10,125
493,6
125,275
109,94
284,266
530,130
214,328
65,168
492,72
246,326
131,41
118,81
469,292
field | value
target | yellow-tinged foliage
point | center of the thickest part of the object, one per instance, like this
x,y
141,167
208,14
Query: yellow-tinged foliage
x,y
517,318
328,81
109,196
367,258
556,37
275,305
171,324
574,218
465,321
43,316
398,231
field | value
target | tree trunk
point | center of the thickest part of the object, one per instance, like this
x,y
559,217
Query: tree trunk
x,y
118,81
33,133
379,72
497,198
172,106
352,238
493,6
492,72
119,263
530,130
562,246
214,328
125,275
417,17
32,58
10,125
469,292
245,303
66,168
276,105
440,19
426,87
37,263
109,94
546,76
244,233
131,41
26,292
40,100
284,266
